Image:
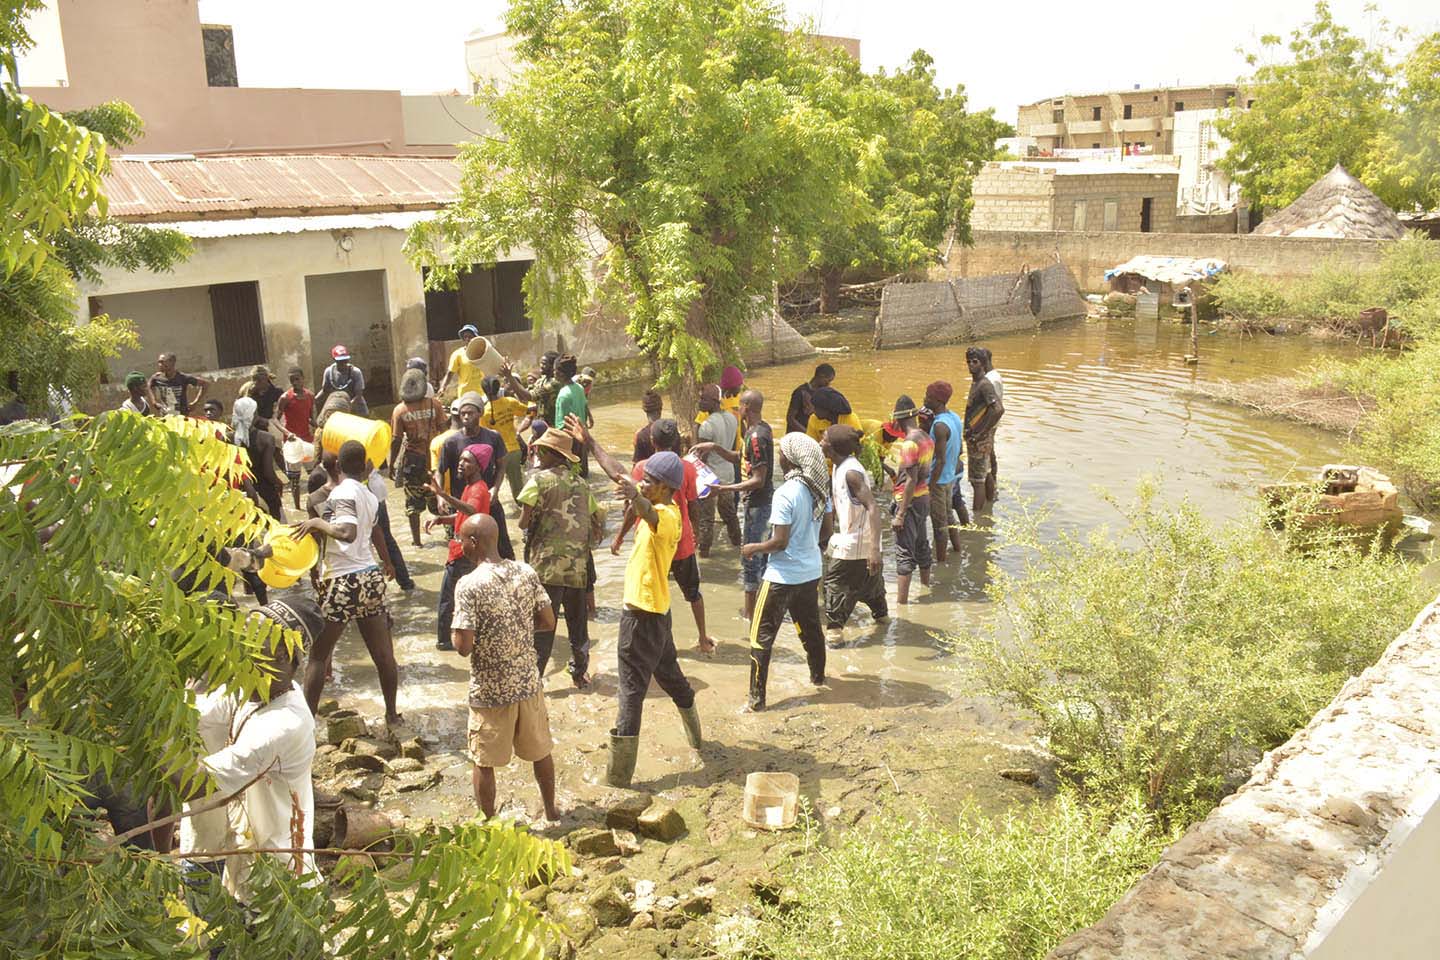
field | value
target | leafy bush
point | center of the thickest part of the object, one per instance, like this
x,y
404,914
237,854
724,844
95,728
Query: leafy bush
x,y
1156,661
1007,889
1406,283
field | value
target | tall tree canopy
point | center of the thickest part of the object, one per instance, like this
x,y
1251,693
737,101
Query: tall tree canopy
x,y
920,152
1404,162
696,146
1325,104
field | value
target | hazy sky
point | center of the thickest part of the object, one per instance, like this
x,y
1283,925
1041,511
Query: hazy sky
x,y
1004,53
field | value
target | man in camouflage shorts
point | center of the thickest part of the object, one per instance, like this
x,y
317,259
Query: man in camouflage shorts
x,y
561,521
416,420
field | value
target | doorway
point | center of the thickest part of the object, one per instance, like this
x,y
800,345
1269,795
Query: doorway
x,y
1145,207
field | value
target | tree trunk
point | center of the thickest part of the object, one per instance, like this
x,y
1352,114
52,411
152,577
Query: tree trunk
x,y
830,278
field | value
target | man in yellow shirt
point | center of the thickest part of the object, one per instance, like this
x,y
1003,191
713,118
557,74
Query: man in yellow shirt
x,y
505,415
830,408
466,375
438,443
646,646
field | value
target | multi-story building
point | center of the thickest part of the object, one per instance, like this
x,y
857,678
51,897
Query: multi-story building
x,y
1133,121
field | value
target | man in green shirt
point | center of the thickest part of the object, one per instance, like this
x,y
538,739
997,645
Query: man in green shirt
x,y
571,400
562,522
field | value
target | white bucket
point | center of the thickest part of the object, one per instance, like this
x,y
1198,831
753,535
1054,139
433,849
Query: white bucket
x,y
298,453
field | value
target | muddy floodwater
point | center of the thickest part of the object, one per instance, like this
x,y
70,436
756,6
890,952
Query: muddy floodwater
x,y
1089,405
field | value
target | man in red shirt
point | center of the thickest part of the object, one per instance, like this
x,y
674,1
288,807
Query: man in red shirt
x,y
474,498
685,568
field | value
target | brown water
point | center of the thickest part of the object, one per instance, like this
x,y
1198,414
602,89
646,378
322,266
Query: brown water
x,y
1088,405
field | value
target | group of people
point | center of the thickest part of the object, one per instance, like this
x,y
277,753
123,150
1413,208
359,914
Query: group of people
x,y
807,511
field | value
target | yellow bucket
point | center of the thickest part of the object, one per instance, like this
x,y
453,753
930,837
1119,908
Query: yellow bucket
x,y
291,555
278,577
373,434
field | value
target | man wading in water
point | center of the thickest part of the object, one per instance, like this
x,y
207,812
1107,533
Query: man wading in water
x,y
799,523
646,646
983,411
853,574
909,462
946,430
757,466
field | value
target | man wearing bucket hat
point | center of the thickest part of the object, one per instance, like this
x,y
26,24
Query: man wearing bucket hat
x,y
562,523
646,647
345,377
470,363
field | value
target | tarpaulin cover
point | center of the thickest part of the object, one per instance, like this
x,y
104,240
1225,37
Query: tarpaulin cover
x,y
1175,270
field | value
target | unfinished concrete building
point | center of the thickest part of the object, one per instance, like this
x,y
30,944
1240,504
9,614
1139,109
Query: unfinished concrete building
x,y
1133,121
1079,196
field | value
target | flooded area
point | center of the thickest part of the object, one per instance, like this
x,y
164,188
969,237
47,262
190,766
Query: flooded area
x,y
1089,406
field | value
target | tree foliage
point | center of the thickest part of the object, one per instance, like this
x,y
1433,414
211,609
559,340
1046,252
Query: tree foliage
x,y
102,647
695,145
1324,104
1404,162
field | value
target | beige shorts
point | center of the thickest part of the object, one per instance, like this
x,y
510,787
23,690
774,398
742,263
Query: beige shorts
x,y
495,734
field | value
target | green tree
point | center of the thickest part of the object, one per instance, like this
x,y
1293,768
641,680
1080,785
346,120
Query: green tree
x,y
1404,163
1325,104
693,146
102,645
921,150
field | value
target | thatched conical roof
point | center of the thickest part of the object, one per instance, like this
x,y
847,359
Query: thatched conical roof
x,y
1336,205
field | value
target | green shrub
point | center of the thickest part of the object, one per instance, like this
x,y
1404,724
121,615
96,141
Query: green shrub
x,y
1157,662
1007,889
1252,297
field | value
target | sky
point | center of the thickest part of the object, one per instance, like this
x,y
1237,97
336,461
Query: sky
x,y
1004,54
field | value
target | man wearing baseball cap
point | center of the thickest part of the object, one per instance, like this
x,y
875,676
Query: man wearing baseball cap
x,y
646,646
344,376
470,363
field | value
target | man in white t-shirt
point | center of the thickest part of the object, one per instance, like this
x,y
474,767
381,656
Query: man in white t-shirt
x,y
853,573
352,586
265,747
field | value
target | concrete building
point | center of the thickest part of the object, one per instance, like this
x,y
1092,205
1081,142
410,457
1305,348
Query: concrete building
x,y
183,78
1071,195
1204,188
1134,121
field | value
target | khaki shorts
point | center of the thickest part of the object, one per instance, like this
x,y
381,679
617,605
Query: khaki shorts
x,y
495,734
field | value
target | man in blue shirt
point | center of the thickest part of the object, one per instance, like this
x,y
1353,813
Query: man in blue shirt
x,y
800,522
946,430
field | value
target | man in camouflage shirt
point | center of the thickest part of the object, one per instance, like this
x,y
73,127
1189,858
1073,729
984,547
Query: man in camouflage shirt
x,y
561,521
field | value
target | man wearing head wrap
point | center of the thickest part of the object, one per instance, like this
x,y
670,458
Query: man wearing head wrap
x,y
652,405
853,575
946,430
414,422
683,567
983,410
716,430
475,498
571,400
800,519
266,466
646,646
472,408
137,402
830,407
910,461
264,746
732,382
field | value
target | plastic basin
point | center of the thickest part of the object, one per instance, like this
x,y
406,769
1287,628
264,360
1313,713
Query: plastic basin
x,y
770,800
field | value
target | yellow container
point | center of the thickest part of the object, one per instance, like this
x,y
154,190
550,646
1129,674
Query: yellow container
x,y
278,577
374,434
291,555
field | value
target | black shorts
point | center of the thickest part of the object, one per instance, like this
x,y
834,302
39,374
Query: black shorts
x,y
686,574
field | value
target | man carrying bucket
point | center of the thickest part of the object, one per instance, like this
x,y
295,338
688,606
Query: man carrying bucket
x,y
470,363
413,424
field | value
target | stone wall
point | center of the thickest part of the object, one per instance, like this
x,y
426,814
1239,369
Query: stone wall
x,y
1205,223
972,308
1331,850
1022,197
1090,254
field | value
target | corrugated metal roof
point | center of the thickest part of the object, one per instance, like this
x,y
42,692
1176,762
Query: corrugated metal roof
x,y
193,188
261,226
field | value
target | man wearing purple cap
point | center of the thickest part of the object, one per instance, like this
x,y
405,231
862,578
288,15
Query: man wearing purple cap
x,y
646,646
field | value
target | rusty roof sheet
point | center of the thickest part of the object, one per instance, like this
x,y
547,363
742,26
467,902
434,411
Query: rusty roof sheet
x,y
195,188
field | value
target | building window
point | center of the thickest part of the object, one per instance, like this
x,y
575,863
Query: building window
x,y
219,44
1249,104
1057,115
1094,113
1179,105
1112,214
1094,146
1078,221
1128,111
239,334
